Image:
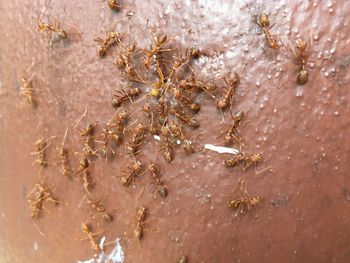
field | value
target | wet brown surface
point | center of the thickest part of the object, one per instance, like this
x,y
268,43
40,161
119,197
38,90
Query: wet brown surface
x,y
301,131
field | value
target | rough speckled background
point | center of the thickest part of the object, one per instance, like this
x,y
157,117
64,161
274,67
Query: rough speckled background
x,y
302,132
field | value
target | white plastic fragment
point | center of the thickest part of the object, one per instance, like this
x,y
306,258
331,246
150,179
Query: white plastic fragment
x,y
116,256
221,149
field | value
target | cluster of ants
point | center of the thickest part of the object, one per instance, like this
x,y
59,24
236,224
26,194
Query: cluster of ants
x,y
163,79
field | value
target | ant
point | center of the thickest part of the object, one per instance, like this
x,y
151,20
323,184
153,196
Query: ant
x,y
84,165
125,61
101,211
141,217
87,181
150,115
242,201
53,28
188,145
167,146
27,90
192,83
157,87
136,138
232,80
162,110
159,41
114,130
117,123
133,171
42,194
184,98
192,122
301,55
179,62
154,172
65,170
237,119
106,135
112,38
247,160
88,134
167,151
262,20
124,95
87,231
40,146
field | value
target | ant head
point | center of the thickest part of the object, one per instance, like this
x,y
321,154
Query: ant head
x,y
131,48
102,52
211,86
195,53
264,20
232,78
153,168
160,39
228,140
239,115
257,157
195,107
301,44
62,34
122,114
221,104
85,227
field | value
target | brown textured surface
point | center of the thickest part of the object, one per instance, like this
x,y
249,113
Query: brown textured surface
x,y
301,131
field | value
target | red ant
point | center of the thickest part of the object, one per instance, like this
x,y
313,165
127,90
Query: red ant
x,y
242,201
133,171
112,38
141,217
262,20
101,211
87,231
65,170
42,194
137,135
192,122
124,95
237,119
154,172
232,80
248,160
301,55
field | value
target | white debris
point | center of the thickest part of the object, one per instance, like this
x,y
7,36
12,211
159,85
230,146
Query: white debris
x,y
116,256
221,149
35,246
156,137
